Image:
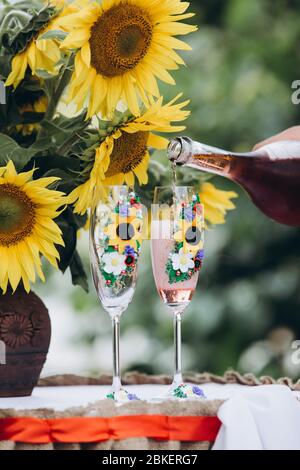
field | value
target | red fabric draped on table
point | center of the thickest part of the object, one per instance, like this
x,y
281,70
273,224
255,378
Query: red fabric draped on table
x,y
96,429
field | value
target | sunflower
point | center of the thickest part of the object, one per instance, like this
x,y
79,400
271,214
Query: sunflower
x,y
190,234
216,203
39,53
123,47
123,232
123,154
38,106
27,228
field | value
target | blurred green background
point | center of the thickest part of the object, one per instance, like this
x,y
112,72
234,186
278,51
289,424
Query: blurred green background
x,y
246,312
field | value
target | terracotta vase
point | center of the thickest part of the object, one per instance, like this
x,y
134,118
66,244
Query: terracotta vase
x,y
25,332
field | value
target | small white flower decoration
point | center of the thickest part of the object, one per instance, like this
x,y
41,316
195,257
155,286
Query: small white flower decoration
x,y
189,391
114,263
121,395
182,261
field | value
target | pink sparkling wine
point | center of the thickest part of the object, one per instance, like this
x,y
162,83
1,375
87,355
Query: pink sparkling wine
x,y
177,295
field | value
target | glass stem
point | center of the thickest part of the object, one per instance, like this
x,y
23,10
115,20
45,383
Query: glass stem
x,y
177,346
116,385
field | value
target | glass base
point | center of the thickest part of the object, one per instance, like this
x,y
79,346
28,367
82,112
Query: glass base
x,y
181,391
122,396
185,391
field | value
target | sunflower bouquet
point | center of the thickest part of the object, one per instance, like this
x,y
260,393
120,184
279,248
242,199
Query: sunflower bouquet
x,y
83,109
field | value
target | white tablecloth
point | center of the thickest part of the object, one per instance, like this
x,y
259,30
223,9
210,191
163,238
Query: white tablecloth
x,y
264,417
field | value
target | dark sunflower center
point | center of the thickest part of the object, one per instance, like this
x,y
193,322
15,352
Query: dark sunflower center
x,y
129,151
120,39
125,231
193,236
17,215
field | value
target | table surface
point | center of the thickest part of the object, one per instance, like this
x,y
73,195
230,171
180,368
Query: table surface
x,y
61,398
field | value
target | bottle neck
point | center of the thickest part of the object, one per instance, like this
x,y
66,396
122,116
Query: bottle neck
x,y
187,152
183,149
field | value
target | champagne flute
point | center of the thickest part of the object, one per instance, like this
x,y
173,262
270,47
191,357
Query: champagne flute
x,y
115,241
177,240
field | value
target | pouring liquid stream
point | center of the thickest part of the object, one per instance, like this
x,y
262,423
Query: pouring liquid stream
x,y
174,180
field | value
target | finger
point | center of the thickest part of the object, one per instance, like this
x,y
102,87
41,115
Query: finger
x,y
292,133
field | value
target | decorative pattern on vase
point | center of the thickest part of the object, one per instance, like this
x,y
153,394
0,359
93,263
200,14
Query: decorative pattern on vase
x,y
25,330
16,330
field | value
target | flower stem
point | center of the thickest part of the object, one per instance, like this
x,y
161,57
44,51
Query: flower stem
x,y
63,82
56,95
72,140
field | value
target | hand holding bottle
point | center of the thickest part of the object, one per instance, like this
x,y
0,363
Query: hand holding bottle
x,y
293,133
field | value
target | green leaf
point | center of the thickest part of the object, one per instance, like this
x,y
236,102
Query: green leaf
x,y
110,249
52,127
50,84
79,277
10,150
5,65
60,131
54,34
67,181
44,74
19,27
69,224
178,247
69,234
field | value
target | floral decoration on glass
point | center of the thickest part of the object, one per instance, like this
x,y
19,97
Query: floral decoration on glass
x,y
120,242
122,396
187,257
188,391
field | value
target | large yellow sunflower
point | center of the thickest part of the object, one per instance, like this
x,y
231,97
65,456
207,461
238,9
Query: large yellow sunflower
x,y
123,47
41,54
27,228
123,154
216,203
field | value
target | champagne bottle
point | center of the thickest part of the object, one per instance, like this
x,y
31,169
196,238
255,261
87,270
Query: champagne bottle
x,y
270,175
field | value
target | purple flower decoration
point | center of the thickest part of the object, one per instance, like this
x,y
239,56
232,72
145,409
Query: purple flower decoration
x,y
132,397
200,254
189,214
129,251
198,391
124,211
